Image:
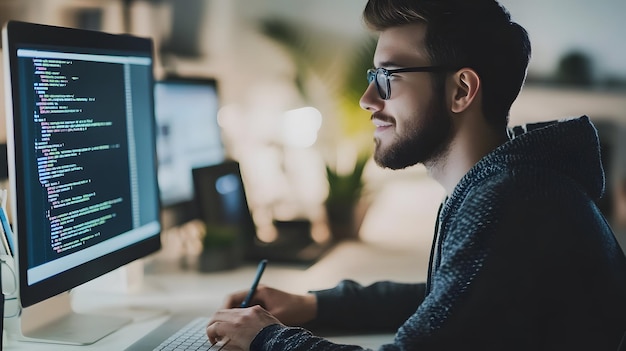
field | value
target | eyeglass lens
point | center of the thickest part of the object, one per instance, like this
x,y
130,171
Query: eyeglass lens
x,y
382,83
380,77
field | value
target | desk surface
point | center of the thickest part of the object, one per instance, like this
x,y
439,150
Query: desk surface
x,y
392,252
396,252
175,290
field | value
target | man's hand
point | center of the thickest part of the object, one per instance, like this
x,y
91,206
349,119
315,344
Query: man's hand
x,y
288,308
238,326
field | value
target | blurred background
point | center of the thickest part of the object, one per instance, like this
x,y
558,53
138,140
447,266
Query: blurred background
x,y
289,74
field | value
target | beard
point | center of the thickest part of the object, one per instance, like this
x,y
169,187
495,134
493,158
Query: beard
x,y
423,139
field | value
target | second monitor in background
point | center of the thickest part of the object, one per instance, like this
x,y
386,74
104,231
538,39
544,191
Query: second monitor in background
x,y
221,200
188,134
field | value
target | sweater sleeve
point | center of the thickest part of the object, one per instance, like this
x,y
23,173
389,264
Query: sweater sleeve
x,y
382,306
350,306
279,337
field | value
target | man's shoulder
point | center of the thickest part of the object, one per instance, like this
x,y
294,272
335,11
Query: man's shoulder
x,y
526,190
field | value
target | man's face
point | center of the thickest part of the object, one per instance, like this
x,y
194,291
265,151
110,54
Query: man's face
x,y
413,125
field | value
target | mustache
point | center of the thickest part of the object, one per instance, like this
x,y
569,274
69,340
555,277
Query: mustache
x,y
382,117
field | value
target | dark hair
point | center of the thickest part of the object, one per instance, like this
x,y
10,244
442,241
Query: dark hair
x,y
478,34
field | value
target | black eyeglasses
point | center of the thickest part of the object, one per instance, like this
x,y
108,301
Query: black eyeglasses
x,y
381,77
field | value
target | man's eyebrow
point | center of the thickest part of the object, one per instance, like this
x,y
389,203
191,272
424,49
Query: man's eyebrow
x,y
389,63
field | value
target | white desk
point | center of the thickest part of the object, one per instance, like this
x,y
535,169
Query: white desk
x,y
178,290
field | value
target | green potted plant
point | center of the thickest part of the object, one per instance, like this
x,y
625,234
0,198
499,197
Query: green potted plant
x,y
345,205
220,248
345,202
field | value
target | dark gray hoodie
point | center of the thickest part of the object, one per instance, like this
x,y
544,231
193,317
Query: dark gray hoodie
x,y
522,260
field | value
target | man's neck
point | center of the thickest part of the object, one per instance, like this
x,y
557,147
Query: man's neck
x,y
463,152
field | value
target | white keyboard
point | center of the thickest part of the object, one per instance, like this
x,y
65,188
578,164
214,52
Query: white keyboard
x,y
192,336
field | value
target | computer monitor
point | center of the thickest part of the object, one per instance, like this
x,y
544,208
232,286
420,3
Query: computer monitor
x,y
188,134
82,169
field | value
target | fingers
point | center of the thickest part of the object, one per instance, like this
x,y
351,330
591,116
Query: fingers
x,y
234,300
217,328
220,345
222,325
239,325
212,332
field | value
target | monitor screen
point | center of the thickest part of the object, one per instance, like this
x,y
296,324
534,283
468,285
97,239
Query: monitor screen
x,y
81,153
188,134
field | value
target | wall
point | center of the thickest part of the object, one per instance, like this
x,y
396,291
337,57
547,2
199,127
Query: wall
x,y
258,75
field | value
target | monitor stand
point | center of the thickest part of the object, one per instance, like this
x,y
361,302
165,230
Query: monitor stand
x,y
53,321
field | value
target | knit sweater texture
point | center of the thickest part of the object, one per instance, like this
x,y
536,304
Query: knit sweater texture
x,y
522,259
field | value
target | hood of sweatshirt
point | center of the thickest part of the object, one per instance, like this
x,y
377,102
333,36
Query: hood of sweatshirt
x,y
569,147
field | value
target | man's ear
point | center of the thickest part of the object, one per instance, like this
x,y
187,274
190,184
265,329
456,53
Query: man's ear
x,y
466,84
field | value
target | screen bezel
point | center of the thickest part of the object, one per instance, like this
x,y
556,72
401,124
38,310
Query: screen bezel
x,y
17,34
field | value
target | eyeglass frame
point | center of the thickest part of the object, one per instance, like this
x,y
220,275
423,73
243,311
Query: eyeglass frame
x,y
372,73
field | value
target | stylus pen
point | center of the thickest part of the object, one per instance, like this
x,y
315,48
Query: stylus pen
x,y
259,272
255,283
